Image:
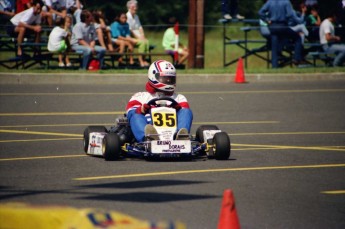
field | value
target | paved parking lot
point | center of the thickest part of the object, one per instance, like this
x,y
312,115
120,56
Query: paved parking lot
x,y
286,167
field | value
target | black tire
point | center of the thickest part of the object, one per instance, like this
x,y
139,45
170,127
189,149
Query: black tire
x,y
87,131
199,132
111,147
222,147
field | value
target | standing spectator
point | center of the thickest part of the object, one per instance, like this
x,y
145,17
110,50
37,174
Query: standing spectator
x,y
277,14
230,10
83,39
137,31
121,36
29,19
59,40
330,42
22,5
168,43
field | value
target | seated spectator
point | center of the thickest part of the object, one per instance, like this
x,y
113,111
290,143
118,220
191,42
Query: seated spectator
x,y
54,9
313,23
102,30
59,40
300,28
74,8
27,21
169,41
330,42
84,39
121,36
6,10
277,14
137,31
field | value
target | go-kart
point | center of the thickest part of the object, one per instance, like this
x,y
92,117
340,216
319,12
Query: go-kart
x,y
118,141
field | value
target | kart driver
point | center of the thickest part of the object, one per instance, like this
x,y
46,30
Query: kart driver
x,y
161,83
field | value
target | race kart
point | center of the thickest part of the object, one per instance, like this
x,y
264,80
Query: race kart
x,y
118,141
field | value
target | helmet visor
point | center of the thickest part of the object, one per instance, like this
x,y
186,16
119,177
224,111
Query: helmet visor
x,y
166,79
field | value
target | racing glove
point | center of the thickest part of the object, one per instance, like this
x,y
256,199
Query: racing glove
x,y
143,109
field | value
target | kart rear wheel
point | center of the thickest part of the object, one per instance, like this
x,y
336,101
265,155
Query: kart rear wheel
x,y
222,147
87,131
199,136
111,147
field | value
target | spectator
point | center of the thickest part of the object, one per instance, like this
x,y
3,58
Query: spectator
x,y
74,7
168,43
313,23
26,21
53,10
301,29
59,40
121,36
230,10
6,9
277,14
102,30
83,39
330,42
22,5
137,31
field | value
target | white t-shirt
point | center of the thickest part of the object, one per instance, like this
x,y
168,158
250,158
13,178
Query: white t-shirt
x,y
27,17
134,23
325,27
55,37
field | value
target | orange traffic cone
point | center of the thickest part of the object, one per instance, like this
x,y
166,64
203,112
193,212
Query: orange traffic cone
x,y
228,216
239,78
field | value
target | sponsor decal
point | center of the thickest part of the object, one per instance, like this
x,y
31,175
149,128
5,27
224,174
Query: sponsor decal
x,y
176,148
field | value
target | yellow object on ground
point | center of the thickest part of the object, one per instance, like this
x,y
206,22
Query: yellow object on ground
x,y
22,215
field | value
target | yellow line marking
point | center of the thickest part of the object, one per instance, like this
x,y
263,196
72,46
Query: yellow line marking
x,y
336,192
209,171
187,92
42,157
40,140
63,113
292,147
40,133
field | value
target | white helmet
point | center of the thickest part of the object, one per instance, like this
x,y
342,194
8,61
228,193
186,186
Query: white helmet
x,y
162,76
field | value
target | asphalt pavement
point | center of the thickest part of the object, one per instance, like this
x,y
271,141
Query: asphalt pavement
x,y
286,167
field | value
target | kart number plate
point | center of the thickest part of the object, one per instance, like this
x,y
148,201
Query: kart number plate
x,y
176,146
164,119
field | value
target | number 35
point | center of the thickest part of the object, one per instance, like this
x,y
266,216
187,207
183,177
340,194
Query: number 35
x,y
164,119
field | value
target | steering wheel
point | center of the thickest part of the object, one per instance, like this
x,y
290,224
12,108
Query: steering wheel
x,y
153,102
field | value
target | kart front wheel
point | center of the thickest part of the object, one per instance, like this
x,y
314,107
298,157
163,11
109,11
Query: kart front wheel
x,y
222,147
111,147
199,136
87,131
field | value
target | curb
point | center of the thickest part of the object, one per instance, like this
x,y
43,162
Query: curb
x,y
93,78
